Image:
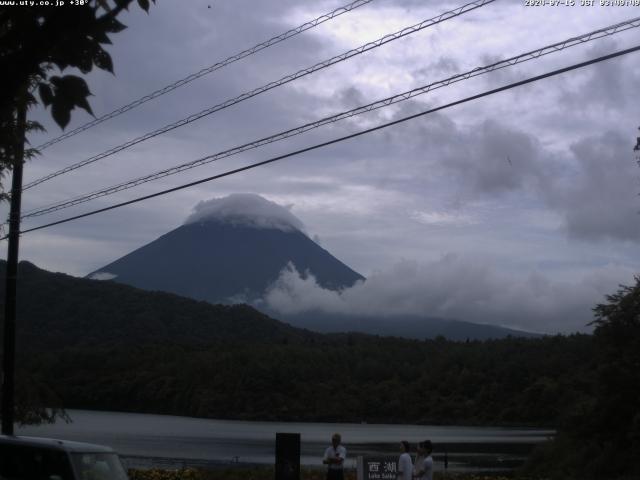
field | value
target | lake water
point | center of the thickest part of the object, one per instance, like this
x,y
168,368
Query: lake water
x,y
147,440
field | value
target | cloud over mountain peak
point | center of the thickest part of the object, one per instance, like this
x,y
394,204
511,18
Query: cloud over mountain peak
x,y
246,209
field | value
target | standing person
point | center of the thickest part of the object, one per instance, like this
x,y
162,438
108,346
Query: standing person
x,y
334,458
424,462
405,465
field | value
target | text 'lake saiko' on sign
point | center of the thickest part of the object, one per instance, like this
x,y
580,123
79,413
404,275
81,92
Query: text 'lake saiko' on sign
x,y
377,468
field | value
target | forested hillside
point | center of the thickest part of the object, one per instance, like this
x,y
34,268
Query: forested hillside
x,y
100,345
60,311
339,378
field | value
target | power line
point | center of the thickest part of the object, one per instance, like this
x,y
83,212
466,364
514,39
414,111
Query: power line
x,y
205,71
284,80
531,55
341,139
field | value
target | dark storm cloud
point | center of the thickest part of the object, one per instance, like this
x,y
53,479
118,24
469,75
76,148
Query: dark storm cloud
x,y
494,159
601,199
594,189
606,85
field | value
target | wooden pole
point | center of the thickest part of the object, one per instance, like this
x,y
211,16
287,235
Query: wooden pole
x,y
9,343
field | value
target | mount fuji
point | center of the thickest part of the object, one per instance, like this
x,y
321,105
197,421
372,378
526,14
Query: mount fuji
x,y
229,250
235,250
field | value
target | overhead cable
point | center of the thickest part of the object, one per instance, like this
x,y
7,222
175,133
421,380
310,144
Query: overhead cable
x,y
341,139
524,57
284,80
205,71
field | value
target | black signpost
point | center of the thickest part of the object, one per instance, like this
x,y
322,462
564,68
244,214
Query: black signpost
x,y
287,456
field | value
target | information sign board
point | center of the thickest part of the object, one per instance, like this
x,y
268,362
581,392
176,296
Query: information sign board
x,y
378,468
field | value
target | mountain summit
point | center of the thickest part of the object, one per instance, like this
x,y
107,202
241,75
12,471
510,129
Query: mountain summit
x,y
230,249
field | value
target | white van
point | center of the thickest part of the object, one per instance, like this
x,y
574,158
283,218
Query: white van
x,y
31,458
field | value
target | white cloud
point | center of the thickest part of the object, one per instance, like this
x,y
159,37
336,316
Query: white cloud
x,y
246,209
458,288
600,199
102,276
441,218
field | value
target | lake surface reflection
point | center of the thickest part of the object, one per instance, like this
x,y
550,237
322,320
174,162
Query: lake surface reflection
x,y
144,440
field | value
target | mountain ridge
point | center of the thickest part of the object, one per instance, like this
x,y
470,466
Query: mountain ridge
x,y
57,310
220,261
405,326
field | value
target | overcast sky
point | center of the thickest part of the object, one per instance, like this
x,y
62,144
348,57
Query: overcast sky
x,y
518,209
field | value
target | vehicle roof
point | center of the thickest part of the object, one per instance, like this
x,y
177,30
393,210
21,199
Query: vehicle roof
x,y
54,444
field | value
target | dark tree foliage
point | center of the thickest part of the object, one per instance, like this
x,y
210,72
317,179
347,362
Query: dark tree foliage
x,y
600,437
616,419
37,44
332,378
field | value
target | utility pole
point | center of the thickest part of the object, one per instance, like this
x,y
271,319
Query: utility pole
x,y
9,344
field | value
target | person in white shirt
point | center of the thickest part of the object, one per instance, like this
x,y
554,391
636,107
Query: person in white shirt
x,y
405,465
334,458
424,463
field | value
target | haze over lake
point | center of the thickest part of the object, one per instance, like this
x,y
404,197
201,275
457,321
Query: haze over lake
x,y
185,439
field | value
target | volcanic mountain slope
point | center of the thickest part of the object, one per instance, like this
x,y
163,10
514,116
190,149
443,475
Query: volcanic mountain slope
x,y
228,251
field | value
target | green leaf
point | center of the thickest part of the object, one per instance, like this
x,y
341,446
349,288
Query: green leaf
x,y
61,113
33,126
104,4
69,92
84,104
46,95
102,59
76,91
30,99
30,153
113,26
123,3
85,61
55,81
101,37
61,63
76,86
144,4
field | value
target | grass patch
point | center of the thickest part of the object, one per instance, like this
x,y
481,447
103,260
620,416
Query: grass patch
x,y
267,473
